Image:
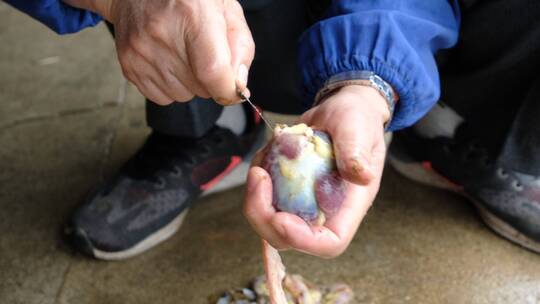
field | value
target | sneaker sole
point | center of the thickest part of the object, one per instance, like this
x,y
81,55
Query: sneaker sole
x,y
235,178
152,240
424,174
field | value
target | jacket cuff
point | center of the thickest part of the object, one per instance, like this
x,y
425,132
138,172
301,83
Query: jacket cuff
x,y
58,16
385,43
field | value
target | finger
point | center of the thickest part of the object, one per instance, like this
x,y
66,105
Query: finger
x,y
142,82
314,240
353,154
352,147
175,88
172,62
307,117
258,208
150,90
240,42
258,158
357,202
150,81
333,238
175,77
187,78
210,57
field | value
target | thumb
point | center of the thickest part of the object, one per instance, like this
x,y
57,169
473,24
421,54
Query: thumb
x,y
352,150
241,42
351,139
354,118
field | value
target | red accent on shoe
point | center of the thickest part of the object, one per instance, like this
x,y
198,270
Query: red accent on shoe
x,y
429,167
235,160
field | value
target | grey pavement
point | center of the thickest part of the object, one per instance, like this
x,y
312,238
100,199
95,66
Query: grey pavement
x,y
68,120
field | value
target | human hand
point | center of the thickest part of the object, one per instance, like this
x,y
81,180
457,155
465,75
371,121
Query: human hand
x,y
175,49
354,118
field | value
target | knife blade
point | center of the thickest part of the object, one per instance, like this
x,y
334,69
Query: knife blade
x,y
245,98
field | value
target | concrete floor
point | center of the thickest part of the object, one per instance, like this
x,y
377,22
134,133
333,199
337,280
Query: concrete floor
x,y
68,120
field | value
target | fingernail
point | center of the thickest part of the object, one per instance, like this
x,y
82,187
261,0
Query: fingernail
x,y
222,101
360,168
247,93
242,76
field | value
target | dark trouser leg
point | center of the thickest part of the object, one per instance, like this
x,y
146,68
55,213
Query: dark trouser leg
x,y
521,150
488,75
276,26
192,119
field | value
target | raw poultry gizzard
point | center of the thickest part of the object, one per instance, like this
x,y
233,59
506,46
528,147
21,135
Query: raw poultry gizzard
x,y
306,183
305,179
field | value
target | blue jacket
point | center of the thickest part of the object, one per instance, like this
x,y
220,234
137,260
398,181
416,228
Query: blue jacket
x,y
396,39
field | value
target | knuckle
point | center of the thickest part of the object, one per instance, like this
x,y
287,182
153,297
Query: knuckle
x,y
248,46
190,13
170,78
235,6
247,42
136,45
157,29
187,9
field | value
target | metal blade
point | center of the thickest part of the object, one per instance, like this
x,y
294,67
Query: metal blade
x,y
244,97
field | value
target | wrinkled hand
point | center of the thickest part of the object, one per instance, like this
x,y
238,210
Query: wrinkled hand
x,y
175,49
354,118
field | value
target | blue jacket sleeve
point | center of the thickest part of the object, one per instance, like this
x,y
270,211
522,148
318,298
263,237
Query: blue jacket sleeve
x,y
57,15
396,40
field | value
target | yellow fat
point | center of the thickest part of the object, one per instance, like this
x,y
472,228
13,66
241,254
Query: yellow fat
x,y
296,129
285,169
322,148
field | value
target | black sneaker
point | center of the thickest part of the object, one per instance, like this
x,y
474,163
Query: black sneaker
x,y
146,202
507,201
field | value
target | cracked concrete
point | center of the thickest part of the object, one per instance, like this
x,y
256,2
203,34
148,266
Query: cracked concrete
x,y
67,121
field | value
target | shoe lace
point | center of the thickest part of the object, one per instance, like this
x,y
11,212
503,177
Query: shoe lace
x,y
473,150
470,150
162,154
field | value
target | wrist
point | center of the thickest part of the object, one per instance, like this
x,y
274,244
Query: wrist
x,y
370,99
361,78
